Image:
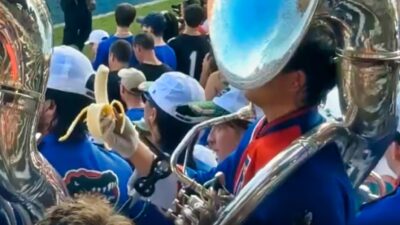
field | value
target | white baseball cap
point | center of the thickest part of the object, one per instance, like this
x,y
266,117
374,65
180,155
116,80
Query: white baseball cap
x,y
69,71
96,36
131,78
174,89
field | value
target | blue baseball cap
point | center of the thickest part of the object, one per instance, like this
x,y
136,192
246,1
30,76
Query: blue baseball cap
x,y
156,21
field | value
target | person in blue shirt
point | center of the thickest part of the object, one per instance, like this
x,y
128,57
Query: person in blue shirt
x,y
84,166
319,192
130,94
384,211
155,24
125,14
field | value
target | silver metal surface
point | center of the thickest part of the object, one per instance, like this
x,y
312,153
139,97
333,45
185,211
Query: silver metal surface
x,y
28,184
367,39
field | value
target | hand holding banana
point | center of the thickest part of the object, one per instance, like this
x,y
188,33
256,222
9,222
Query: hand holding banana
x,y
96,114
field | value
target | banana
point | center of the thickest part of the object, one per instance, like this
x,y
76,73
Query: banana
x,y
99,110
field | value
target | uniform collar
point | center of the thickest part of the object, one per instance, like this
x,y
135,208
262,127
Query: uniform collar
x,y
308,116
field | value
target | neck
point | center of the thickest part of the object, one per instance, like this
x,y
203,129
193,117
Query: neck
x,y
151,58
158,41
116,66
133,103
123,32
277,111
191,31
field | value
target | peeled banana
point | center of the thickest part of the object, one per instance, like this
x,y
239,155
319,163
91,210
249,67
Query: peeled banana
x,y
99,110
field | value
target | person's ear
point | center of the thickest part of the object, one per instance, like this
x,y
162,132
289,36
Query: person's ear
x,y
396,152
297,80
152,116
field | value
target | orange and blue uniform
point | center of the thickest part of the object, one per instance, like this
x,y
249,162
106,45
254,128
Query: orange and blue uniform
x,y
318,193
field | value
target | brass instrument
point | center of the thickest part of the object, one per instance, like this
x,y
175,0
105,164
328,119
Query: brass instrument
x,y
251,49
28,184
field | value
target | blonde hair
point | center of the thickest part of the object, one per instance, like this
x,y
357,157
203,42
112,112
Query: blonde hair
x,y
84,210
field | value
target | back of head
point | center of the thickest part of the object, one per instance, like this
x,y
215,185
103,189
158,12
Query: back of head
x,y
145,41
194,15
69,72
122,51
85,210
315,57
172,25
125,14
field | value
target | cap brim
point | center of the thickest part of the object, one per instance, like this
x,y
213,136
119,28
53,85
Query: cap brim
x,y
145,86
140,20
202,109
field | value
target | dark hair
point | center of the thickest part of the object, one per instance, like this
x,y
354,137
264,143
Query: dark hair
x,y
125,14
68,107
194,15
172,131
122,50
145,41
315,57
172,26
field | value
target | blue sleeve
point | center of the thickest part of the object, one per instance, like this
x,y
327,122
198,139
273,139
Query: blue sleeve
x,y
101,55
173,60
228,166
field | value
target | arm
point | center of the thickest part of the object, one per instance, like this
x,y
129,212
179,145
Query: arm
x,y
211,86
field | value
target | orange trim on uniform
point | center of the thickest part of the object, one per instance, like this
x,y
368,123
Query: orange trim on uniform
x,y
262,150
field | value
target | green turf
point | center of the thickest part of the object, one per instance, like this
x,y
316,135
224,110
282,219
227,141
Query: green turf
x,y
108,23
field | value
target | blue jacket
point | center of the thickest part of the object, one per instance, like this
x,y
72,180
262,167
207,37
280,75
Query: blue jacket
x,y
86,167
318,192
385,211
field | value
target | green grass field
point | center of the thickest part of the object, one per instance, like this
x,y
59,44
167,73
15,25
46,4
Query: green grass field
x,y
108,23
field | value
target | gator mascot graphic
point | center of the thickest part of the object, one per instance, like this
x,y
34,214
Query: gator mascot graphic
x,y
92,181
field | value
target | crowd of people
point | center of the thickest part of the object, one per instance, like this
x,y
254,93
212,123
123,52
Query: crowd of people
x,y
168,81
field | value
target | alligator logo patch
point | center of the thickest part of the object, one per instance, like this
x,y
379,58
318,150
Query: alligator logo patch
x,y
92,181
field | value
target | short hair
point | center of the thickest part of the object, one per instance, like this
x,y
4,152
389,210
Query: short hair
x,y
122,50
194,15
125,14
315,57
145,41
84,210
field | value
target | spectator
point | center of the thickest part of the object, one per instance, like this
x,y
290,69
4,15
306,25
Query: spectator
x,y
155,24
150,65
190,47
172,27
124,16
385,211
130,94
225,137
95,38
120,55
83,166
85,210
78,21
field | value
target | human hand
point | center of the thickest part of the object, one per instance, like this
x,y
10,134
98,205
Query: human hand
x,y
124,143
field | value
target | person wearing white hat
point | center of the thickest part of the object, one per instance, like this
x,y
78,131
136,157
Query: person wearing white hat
x,y
95,37
83,166
131,78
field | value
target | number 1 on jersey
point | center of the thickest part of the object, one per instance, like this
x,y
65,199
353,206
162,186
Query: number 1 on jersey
x,y
193,58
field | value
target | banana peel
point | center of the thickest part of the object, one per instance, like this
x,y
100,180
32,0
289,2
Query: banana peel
x,y
101,109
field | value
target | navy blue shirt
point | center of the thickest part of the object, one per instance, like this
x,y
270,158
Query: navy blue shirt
x,y
135,114
103,50
318,193
166,55
385,211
